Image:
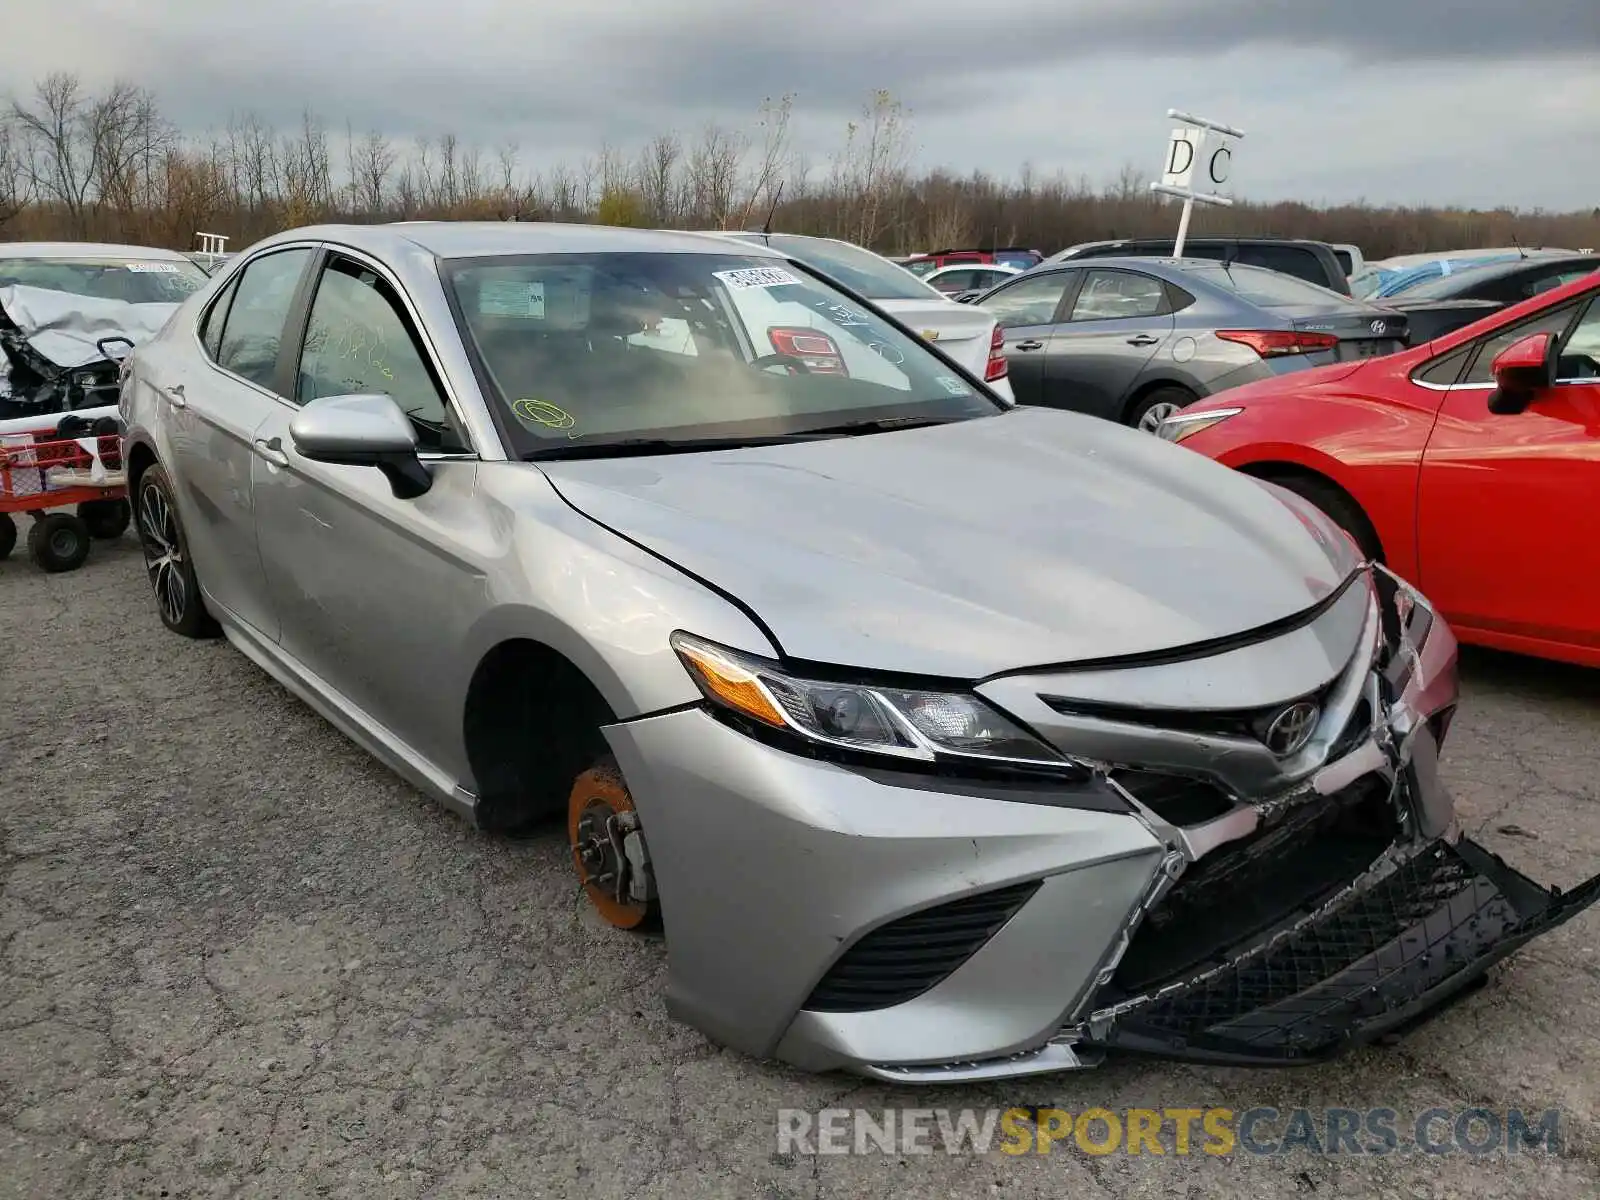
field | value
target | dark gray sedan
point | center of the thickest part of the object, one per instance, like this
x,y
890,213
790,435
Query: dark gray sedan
x,y
1136,339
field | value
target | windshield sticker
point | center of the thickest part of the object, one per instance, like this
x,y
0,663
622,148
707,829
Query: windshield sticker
x,y
887,352
954,386
755,277
163,268
511,298
542,412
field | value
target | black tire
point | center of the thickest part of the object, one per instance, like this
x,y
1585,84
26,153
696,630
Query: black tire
x,y
167,561
8,535
107,519
59,541
1160,402
1337,504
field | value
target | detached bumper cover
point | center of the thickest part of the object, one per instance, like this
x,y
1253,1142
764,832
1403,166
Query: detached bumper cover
x,y
1381,954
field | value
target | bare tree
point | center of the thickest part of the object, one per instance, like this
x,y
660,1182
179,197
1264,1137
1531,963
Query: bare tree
x,y
713,174
872,168
506,180
60,161
16,184
658,177
772,159
371,161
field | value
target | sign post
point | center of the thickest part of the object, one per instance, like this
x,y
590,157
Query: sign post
x,y
1187,154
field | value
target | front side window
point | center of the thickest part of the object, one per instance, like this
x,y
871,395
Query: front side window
x,y
358,342
1118,295
1551,321
1030,301
134,280
588,350
1579,356
253,333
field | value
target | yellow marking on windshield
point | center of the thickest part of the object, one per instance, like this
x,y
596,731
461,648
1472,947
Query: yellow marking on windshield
x,y
542,412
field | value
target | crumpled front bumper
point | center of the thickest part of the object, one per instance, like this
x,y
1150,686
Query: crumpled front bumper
x,y
796,892
1398,944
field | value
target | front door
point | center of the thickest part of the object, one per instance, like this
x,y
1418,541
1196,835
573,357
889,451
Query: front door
x,y
216,411
374,594
1026,311
1508,527
1118,322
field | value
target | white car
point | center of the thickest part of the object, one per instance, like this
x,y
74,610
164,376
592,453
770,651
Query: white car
x,y
969,277
969,336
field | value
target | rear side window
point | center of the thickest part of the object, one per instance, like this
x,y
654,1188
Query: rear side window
x,y
1443,372
1291,260
211,323
253,332
1118,295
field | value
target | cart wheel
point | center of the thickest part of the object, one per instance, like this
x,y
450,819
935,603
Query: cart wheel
x,y
8,534
106,519
59,541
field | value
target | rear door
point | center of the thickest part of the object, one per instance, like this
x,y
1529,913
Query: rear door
x,y
218,405
1507,522
1026,311
1118,321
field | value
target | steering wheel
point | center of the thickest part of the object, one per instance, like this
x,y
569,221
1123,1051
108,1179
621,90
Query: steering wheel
x,y
764,361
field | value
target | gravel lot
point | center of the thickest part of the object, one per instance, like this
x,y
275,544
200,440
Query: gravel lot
x,y
241,958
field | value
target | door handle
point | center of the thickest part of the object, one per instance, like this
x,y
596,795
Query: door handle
x,y
272,451
1143,339
174,395
1030,344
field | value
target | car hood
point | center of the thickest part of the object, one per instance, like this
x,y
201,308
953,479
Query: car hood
x,y
1032,538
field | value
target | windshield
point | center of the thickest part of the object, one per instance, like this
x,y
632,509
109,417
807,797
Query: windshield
x,y
135,280
1269,289
596,349
859,270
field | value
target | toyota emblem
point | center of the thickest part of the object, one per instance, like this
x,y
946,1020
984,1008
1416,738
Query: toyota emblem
x,y
1378,327
1292,728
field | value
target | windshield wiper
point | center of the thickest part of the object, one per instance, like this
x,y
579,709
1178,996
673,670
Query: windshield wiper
x,y
877,425
630,446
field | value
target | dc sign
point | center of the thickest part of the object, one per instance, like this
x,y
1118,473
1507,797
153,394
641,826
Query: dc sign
x,y
1194,166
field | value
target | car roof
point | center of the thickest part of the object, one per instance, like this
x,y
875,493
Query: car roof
x,y
477,239
88,250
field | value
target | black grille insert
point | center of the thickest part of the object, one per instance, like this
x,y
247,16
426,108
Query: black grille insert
x,y
901,960
1244,889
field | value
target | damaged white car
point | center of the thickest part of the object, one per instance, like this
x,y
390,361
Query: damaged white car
x,y
948,739
70,311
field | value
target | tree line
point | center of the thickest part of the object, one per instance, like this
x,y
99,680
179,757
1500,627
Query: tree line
x,y
81,164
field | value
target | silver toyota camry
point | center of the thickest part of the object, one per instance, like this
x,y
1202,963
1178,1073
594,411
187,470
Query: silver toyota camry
x,y
944,738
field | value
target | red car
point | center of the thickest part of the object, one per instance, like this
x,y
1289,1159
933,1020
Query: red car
x,y
1470,465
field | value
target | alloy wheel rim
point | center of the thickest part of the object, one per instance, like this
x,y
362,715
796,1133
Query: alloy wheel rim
x,y
1156,414
163,555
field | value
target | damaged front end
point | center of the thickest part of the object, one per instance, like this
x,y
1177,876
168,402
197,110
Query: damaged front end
x,y
33,383
1316,891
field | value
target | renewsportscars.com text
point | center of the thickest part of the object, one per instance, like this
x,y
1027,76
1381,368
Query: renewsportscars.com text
x,y
1168,1131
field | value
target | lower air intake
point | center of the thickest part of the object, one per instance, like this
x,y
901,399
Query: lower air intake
x,y
901,960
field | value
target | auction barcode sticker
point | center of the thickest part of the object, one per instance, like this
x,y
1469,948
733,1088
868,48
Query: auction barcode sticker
x,y
755,277
161,267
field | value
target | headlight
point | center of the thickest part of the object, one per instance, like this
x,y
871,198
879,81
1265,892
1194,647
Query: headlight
x,y
901,723
1183,425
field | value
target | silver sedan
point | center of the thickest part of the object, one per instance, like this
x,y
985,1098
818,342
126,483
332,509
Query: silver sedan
x,y
948,739
1136,339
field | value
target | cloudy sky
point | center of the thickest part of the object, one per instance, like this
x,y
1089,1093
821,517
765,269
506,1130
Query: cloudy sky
x,y
1477,102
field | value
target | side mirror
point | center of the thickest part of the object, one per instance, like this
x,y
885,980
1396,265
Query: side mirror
x,y
1520,372
362,431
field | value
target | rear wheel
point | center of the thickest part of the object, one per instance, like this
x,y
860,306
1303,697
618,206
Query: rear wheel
x,y
608,848
59,541
1154,407
166,559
